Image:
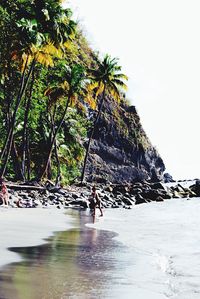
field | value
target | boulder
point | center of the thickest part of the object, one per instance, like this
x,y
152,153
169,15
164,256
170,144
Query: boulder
x,y
151,195
52,197
139,199
196,188
159,198
121,189
158,186
167,178
127,201
75,196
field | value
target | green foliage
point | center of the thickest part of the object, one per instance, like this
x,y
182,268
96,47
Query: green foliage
x,y
108,77
46,64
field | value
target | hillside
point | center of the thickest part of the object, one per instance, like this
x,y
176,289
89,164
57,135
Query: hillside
x,y
121,151
48,105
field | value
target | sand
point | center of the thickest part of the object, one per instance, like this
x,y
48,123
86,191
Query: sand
x,y
28,227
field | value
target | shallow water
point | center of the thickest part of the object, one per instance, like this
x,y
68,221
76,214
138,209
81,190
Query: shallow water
x,y
79,263
162,239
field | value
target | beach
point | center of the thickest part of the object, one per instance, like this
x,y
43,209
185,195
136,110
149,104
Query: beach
x,y
150,251
28,227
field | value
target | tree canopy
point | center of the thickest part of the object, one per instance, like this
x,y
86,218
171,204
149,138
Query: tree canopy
x,y
49,80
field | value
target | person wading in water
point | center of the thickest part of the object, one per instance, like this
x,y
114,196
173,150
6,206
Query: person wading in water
x,y
95,201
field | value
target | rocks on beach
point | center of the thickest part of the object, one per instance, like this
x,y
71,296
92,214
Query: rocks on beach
x,y
112,196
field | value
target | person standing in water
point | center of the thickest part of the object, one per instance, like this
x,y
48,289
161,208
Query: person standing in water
x,y
95,201
3,192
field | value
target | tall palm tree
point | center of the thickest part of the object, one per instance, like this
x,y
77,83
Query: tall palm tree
x,y
106,79
72,88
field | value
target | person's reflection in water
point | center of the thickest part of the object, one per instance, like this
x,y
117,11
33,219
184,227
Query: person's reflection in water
x,y
80,262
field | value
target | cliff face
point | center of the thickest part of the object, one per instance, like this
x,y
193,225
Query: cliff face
x,y
120,151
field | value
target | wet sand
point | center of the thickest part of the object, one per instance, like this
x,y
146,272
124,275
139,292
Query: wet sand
x,y
79,263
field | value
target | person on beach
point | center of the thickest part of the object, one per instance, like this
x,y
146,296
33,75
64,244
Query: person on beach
x,y
95,201
3,192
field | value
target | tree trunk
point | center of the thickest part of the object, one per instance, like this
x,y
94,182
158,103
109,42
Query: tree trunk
x,y
10,136
49,171
16,163
91,136
52,122
58,176
28,156
24,136
53,140
22,80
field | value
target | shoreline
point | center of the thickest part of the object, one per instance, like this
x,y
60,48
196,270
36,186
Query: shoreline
x,y
142,253
28,227
111,195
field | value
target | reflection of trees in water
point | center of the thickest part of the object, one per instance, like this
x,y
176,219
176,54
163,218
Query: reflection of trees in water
x,y
74,262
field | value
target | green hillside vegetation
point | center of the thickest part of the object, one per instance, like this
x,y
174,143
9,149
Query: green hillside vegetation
x,y
51,84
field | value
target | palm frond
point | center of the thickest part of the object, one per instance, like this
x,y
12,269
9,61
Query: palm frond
x,y
91,101
114,91
108,76
120,76
120,84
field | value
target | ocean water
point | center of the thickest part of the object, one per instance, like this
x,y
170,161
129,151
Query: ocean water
x,y
162,256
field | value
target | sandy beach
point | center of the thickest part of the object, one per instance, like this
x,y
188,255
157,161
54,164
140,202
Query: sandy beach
x,y
28,227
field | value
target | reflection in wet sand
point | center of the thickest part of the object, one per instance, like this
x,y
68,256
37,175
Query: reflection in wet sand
x,y
78,263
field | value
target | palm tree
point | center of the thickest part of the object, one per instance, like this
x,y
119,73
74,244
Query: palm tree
x,y
72,87
106,79
41,38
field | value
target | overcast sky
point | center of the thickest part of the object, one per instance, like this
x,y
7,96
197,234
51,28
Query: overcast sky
x,y
158,45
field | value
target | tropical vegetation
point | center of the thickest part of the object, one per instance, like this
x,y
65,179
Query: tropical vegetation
x,y
50,81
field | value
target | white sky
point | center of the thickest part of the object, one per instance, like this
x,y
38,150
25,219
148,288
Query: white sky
x,y
158,44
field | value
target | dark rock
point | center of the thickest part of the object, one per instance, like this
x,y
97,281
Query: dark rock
x,y
166,196
139,199
127,201
159,198
196,188
107,198
167,178
131,109
157,186
118,201
53,189
151,194
120,150
115,205
127,207
62,192
135,191
120,189
75,196
109,189
52,197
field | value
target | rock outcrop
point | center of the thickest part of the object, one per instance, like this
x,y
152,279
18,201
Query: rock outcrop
x,y
121,151
111,196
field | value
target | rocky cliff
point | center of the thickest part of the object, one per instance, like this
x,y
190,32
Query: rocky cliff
x,y
121,151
